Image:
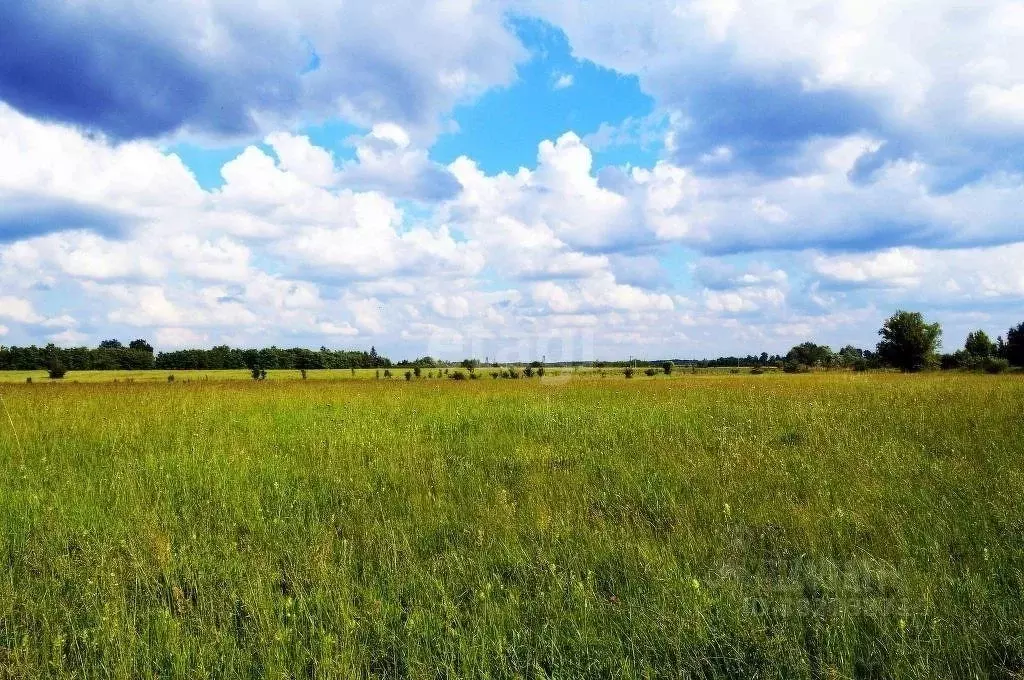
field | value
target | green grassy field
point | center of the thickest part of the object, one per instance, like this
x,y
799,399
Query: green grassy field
x,y
775,526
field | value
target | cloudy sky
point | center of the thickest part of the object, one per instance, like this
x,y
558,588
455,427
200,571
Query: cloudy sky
x,y
580,179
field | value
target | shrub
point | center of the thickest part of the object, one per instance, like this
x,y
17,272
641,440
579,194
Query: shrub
x,y
495,374
387,372
995,365
408,376
457,375
651,372
948,362
794,367
540,372
513,373
528,372
416,371
667,367
628,371
56,370
28,380
170,378
860,365
756,370
302,371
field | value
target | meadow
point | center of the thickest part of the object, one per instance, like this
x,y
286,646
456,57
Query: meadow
x,y
696,526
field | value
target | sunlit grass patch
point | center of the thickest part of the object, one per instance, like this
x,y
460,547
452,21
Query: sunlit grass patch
x,y
695,525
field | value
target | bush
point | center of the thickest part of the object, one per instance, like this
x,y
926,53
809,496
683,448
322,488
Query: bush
x,y
667,367
628,371
540,372
408,376
513,373
170,378
458,375
416,371
995,365
651,372
860,365
302,372
794,367
387,372
528,372
56,371
756,370
28,380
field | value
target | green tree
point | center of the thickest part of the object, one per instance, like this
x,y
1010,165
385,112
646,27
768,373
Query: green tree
x,y
908,342
979,344
1013,348
810,354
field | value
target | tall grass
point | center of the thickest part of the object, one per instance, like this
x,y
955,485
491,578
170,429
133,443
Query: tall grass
x,y
700,526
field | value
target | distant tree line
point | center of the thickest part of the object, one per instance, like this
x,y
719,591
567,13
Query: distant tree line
x,y
138,355
269,358
109,355
908,343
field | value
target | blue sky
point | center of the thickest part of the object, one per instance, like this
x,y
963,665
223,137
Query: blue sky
x,y
512,178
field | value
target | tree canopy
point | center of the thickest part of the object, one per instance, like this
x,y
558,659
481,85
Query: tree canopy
x,y
908,342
